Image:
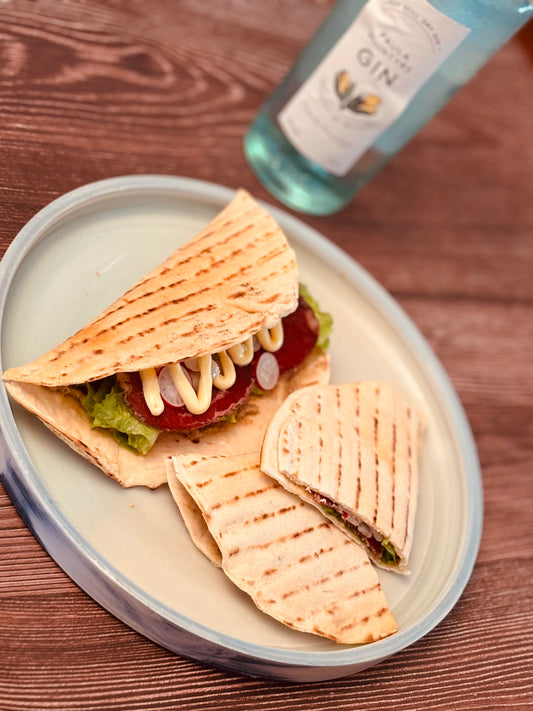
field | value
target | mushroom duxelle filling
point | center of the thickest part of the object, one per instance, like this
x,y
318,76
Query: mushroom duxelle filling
x,y
117,403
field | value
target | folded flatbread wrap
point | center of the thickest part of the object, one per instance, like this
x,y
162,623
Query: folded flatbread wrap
x,y
352,451
294,564
202,314
63,414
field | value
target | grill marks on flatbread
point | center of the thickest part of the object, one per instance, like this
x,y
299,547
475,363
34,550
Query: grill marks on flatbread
x,y
356,445
245,278
295,565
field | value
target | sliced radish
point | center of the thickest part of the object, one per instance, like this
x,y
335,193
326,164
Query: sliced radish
x,y
192,364
168,390
215,368
267,371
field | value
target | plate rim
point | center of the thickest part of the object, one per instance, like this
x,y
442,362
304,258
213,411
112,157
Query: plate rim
x,y
284,663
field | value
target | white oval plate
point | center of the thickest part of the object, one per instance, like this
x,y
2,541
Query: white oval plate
x,y
128,548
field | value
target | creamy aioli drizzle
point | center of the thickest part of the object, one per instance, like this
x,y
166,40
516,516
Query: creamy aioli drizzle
x,y
195,402
199,401
227,375
271,339
151,391
242,353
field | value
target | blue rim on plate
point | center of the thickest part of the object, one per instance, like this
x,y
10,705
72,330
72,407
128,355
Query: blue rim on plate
x,y
54,525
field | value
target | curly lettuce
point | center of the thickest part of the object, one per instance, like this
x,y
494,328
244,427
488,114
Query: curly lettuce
x,y
107,408
325,320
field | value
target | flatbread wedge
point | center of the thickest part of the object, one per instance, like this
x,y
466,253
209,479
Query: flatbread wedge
x,y
294,564
352,451
235,280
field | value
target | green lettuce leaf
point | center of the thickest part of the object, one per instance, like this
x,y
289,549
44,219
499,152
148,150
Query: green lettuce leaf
x,y
388,553
324,319
107,408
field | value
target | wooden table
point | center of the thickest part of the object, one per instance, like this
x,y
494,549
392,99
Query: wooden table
x,y
95,89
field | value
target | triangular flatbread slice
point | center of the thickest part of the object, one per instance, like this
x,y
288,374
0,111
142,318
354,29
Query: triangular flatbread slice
x,y
192,517
352,451
294,564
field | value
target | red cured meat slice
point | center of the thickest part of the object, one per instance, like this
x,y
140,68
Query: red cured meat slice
x,y
300,336
179,418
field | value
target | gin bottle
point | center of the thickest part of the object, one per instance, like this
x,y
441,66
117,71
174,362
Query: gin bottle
x,y
371,77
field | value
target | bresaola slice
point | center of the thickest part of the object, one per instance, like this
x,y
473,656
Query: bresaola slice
x,y
300,328
179,418
294,564
352,452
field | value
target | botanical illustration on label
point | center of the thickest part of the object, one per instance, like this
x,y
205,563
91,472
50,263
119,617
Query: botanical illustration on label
x,y
367,80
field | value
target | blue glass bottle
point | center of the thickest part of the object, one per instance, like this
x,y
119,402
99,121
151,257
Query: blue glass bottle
x,y
306,183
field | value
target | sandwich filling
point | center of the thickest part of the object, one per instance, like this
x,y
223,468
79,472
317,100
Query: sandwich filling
x,y
352,451
197,392
175,383
379,546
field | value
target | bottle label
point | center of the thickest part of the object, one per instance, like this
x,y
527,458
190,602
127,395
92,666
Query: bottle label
x,y
367,80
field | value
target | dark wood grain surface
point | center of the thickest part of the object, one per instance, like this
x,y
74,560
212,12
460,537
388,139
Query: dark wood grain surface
x,y
92,89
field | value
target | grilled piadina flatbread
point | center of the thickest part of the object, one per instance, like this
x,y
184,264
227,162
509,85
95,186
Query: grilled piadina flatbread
x,y
295,565
201,350
352,451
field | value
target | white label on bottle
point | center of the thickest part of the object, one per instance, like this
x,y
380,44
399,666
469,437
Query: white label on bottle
x,y
367,80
